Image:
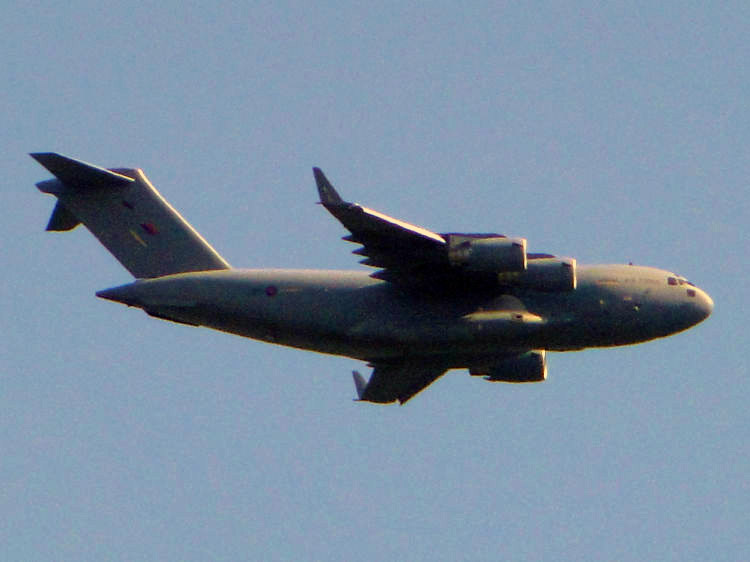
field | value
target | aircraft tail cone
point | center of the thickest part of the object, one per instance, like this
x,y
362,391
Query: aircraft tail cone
x,y
125,294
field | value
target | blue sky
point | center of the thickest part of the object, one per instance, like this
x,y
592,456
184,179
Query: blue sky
x,y
608,133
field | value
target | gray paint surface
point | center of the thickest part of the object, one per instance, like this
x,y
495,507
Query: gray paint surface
x,y
431,316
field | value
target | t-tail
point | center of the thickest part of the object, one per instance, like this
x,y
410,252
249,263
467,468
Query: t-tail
x,y
128,216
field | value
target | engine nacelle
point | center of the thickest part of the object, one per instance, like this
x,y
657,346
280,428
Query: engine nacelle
x,y
493,254
529,367
543,274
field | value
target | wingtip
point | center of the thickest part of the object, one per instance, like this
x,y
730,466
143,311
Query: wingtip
x,y
328,195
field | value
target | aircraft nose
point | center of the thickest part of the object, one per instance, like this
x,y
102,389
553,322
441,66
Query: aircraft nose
x,y
704,303
699,305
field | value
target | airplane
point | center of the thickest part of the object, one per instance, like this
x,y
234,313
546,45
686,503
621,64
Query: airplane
x,y
436,302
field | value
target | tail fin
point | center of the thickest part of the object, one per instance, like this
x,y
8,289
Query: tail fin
x,y
128,216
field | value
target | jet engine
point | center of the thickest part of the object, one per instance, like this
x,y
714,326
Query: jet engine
x,y
529,367
550,274
487,254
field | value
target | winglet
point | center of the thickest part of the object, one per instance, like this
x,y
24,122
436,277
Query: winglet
x,y
360,384
328,195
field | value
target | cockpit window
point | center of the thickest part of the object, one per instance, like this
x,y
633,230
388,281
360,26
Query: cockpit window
x,y
678,280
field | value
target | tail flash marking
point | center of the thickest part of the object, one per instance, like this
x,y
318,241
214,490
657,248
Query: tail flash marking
x,y
150,228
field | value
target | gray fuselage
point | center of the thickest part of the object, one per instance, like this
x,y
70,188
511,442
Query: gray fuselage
x,y
349,313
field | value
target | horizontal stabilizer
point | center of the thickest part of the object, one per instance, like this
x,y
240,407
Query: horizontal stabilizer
x,y
62,219
74,172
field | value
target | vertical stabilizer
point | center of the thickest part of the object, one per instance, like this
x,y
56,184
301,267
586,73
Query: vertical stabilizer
x,y
128,216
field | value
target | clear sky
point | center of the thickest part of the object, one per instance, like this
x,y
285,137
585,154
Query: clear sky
x,y
608,133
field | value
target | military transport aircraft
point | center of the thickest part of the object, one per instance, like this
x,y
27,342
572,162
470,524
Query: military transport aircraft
x,y
436,302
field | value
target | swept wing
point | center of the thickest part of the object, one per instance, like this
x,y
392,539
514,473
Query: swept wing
x,y
407,254
399,381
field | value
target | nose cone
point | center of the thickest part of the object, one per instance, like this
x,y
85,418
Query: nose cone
x,y
696,308
704,304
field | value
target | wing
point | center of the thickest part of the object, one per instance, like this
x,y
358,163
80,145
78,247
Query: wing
x,y
415,257
405,252
396,381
